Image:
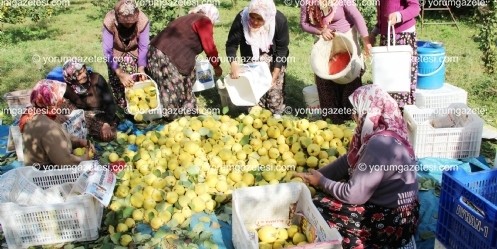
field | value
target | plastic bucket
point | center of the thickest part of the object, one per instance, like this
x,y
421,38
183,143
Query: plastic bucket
x,y
311,97
254,81
431,65
204,76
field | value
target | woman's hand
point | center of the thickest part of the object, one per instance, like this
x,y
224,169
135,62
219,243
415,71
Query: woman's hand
x,y
392,18
218,71
367,46
125,78
328,34
107,133
142,76
312,177
235,70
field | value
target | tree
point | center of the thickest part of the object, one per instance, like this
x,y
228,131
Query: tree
x,y
487,38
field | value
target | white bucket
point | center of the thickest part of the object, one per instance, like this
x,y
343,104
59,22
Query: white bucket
x,y
204,74
311,98
323,51
254,81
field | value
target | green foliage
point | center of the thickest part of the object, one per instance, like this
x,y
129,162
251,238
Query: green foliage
x,y
18,11
368,11
487,17
160,13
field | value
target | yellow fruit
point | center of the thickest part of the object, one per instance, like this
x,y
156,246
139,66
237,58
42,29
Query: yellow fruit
x,y
125,240
312,162
282,234
197,204
113,157
137,214
79,151
156,222
137,200
178,217
138,117
298,237
267,234
129,222
121,228
292,230
171,197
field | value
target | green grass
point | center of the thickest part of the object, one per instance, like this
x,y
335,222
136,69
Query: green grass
x,y
77,32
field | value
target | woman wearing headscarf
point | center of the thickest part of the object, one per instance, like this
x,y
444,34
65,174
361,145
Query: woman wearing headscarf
x,y
324,18
402,15
172,58
45,141
262,34
125,39
89,91
371,194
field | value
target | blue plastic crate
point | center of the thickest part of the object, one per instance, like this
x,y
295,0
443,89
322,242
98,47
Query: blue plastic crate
x,y
467,215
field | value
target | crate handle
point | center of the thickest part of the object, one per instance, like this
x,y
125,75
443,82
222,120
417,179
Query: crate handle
x,y
470,205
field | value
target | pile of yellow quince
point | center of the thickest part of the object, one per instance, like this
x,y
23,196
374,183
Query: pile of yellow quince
x,y
141,100
193,164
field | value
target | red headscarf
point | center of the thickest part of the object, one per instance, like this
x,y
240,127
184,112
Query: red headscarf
x,y
45,98
378,112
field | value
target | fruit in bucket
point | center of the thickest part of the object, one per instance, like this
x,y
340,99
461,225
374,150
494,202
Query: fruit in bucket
x,y
338,62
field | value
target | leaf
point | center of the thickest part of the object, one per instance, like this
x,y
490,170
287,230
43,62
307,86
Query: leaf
x,y
240,127
204,131
121,141
110,219
140,238
127,212
115,238
193,170
245,140
205,235
224,217
157,172
161,233
225,110
137,157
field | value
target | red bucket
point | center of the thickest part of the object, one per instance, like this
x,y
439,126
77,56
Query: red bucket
x,y
338,62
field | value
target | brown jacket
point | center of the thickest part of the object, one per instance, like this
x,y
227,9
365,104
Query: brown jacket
x,y
46,143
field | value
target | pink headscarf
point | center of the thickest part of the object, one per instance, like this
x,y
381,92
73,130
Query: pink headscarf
x,y
45,98
262,38
209,10
126,11
378,112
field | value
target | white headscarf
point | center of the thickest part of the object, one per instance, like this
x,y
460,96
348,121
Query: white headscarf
x,y
262,38
209,10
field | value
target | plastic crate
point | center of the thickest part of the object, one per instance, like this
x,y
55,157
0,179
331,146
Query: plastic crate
x,y
151,114
457,143
17,101
440,98
467,215
76,219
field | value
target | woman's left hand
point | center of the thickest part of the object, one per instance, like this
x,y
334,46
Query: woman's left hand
x,y
312,177
392,18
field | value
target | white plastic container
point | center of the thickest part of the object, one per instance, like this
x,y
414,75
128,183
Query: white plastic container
x,y
254,81
456,143
152,113
77,219
272,204
204,76
441,97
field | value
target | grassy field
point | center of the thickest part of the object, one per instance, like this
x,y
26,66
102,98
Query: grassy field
x,y
29,51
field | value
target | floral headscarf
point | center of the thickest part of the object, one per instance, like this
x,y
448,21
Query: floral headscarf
x,y
126,11
71,72
46,97
377,112
209,10
320,13
262,38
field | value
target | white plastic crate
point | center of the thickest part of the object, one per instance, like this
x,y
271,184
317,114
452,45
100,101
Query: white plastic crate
x,y
457,143
151,114
273,204
76,219
441,97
